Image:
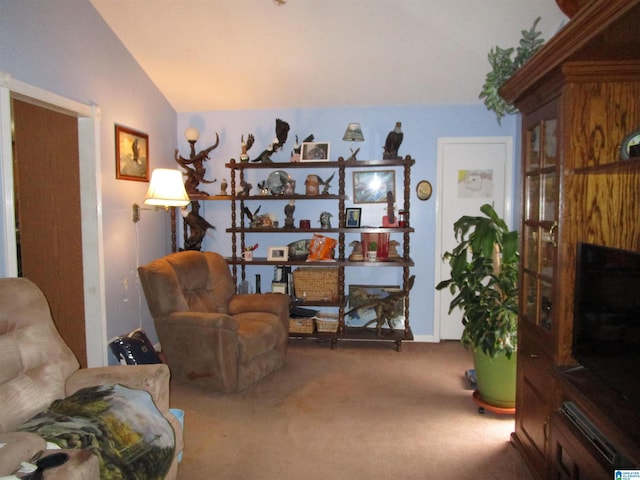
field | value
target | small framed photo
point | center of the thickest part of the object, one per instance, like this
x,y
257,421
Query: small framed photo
x,y
132,154
315,152
278,254
352,217
372,186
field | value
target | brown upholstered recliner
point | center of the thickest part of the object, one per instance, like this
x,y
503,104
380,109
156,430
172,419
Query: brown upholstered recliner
x,y
211,336
37,367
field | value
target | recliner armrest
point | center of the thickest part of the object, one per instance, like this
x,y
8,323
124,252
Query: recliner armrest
x,y
276,303
201,319
152,378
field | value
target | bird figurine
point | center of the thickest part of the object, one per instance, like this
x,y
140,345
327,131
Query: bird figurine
x,y
198,227
245,188
282,131
244,157
393,142
251,216
326,183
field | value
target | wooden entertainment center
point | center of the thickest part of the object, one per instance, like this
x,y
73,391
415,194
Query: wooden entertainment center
x,y
580,98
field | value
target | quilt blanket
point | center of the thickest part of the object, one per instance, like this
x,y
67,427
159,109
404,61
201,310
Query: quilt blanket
x,y
122,426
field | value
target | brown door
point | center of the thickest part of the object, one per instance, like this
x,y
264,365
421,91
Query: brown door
x,y
47,186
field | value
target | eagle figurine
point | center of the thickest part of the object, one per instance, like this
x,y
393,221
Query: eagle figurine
x,y
282,132
393,142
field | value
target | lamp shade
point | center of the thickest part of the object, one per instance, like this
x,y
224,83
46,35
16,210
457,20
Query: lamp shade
x,y
166,189
353,133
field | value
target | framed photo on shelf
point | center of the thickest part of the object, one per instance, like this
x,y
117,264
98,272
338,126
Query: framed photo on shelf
x,y
372,186
278,254
352,217
315,152
132,154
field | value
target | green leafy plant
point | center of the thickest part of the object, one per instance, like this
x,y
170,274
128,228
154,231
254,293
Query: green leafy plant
x,y
484,282
372,247
504,65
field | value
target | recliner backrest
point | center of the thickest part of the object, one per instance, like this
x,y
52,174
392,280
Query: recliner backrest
x,y
34,360
187,281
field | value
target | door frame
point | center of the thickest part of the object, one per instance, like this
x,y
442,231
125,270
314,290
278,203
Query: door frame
x,y
90,199
508,206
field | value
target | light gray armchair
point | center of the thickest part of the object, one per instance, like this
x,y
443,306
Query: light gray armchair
x,y
37,367
212,337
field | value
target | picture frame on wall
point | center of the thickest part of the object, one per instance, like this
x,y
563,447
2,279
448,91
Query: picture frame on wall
x,y
372,186
132,154
352,217
315,152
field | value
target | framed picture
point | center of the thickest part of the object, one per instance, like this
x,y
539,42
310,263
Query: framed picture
x,y
352,217
362,308
372,186
314,152
278,254
132,154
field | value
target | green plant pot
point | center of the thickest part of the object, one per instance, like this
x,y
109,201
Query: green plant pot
x,y
496,378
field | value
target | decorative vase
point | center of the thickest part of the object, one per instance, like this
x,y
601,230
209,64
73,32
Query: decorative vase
x,y
496,378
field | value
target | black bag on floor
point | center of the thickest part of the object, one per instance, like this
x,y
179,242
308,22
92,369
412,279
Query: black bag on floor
x,y
134,348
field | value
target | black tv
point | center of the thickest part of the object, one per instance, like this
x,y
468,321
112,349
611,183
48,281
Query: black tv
x,y
606,324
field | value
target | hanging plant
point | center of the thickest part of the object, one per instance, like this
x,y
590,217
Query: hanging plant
x,y
504,65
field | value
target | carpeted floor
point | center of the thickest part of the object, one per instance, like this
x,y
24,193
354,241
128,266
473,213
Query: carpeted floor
x,y
362,411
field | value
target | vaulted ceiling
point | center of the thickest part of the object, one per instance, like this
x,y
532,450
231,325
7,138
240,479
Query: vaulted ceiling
x,y
209,55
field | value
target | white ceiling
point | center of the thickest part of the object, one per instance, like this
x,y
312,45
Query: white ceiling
x,y
209,55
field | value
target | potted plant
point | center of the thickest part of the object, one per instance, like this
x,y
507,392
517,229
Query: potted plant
x,y
484,282
372,251
504,65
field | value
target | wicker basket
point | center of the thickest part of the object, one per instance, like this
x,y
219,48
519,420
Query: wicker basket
x,y
301,325
327,322
316,284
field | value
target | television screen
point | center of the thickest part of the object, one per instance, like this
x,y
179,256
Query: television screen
x,y
606,330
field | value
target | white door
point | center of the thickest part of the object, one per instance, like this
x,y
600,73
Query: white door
x,y
471,172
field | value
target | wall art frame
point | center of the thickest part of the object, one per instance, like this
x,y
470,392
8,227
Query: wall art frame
x,y
132,154
315,152
371,186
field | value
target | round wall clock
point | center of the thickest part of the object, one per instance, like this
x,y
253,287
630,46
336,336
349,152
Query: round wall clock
x,y
424,190
630,147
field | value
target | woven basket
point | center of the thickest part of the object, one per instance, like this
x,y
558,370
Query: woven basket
x,y
327,322
316,284
301,325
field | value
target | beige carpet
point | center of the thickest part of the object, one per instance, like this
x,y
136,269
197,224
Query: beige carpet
x,y
362,411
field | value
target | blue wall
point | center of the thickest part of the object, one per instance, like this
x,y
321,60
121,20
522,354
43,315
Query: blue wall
x,y
422,125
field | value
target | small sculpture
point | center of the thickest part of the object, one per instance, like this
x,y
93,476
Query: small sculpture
x,y
249,214
245,188
198,227
356,252
223,186
325,220
353,158
282,131
393,142
194,168
244,157
262,186
385,307
288,213
393,249
326,183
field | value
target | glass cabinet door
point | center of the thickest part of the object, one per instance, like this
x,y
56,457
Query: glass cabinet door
x,y
540,221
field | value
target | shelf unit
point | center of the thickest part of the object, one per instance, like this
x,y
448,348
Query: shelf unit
x,y
238,236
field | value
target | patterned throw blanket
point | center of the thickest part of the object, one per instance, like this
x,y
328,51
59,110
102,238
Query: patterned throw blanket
x,y
122,426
